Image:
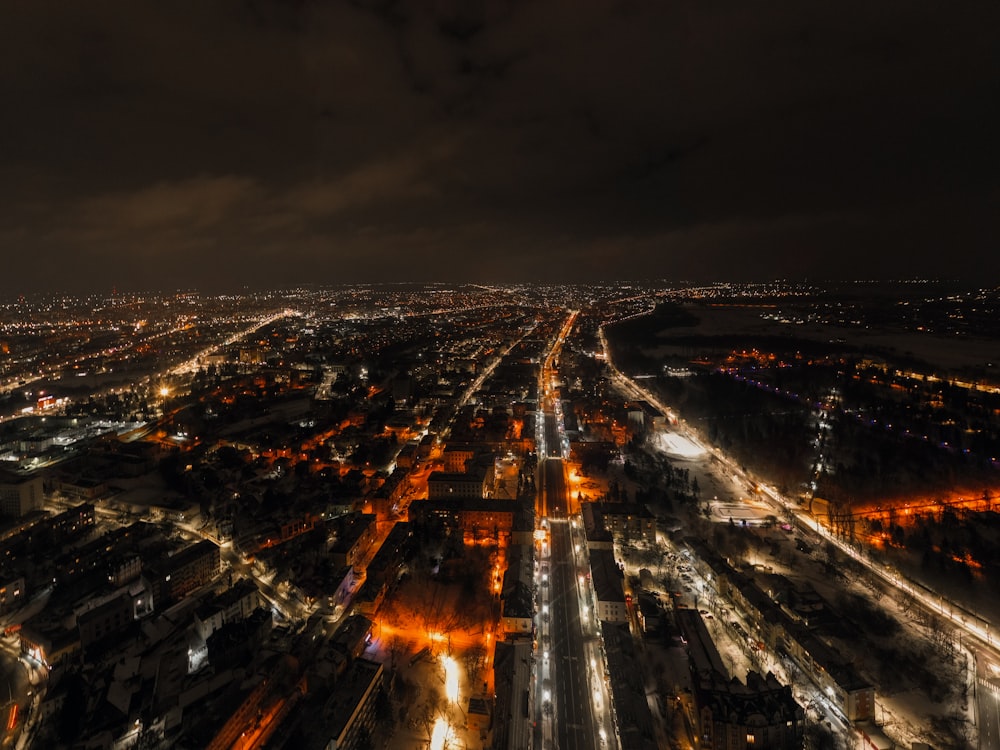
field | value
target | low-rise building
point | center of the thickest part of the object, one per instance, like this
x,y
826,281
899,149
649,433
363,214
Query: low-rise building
x,y
72,522
49,643
354,536
517,611
386,499
646,416
235,603
387,562
176,576
108,618
626,522
353,636
350,710
238,640
12,592
369,597
630,707
598,537
775,627
442,485
609,591
758,713
479,520
478,715
124,568
20,495
511,681
853,694
83,488
457,455
342,583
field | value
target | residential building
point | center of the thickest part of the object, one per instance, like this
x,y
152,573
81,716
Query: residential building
x,y
234,604
20,495
442,485
732,714
174,577
609,592
12,592
630,706
354,536
517,611
626,522
512,692
350,710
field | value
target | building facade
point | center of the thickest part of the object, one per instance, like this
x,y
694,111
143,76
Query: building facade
x,y
20,496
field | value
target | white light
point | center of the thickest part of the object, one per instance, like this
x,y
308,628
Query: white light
x,y
450,678
439,736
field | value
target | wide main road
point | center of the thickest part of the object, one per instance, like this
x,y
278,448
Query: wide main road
x,y
575,726
567,719
553,436
551,489
564,693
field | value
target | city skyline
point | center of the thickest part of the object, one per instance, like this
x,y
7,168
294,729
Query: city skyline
x,y
579,516
270,144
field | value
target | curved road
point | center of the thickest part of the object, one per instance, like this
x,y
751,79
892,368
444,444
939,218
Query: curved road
x,y
14,689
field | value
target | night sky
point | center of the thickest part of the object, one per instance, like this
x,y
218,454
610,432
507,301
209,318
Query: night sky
x,y
217,145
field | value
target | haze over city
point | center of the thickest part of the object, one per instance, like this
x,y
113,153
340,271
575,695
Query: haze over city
x,y
269,143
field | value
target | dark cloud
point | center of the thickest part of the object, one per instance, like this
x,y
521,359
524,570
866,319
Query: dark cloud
x,y
258,142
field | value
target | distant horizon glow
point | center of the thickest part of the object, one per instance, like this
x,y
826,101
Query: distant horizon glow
x,y
788,140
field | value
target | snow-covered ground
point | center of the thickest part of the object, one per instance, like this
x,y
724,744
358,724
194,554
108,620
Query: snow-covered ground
x,y
678,446
904,710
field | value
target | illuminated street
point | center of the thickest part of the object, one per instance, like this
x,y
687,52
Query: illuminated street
x,y
500,376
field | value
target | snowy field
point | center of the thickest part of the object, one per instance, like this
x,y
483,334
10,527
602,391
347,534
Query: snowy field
x,y
680,447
